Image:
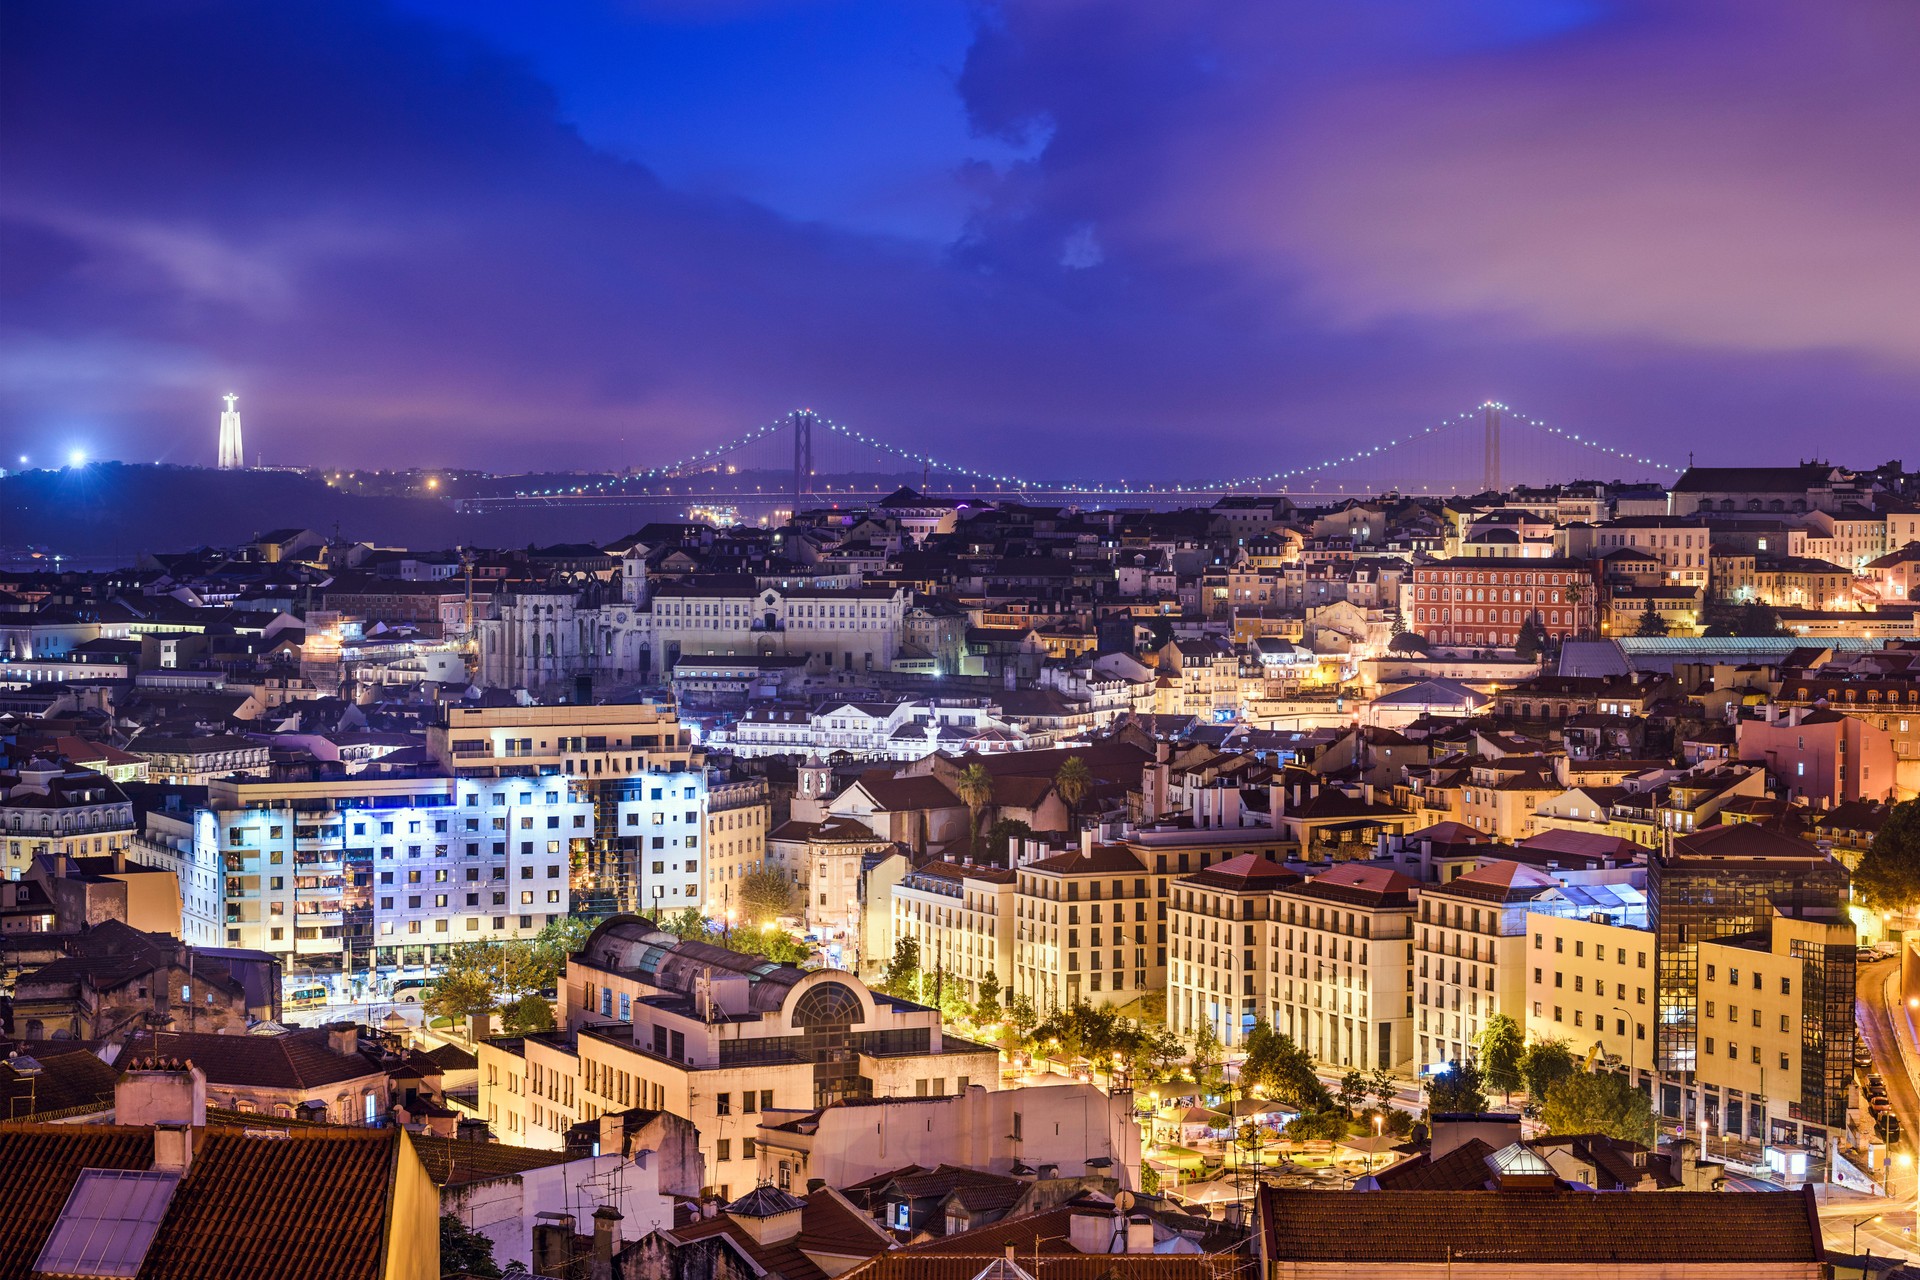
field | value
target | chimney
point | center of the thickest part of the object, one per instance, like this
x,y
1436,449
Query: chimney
x,y
344,1038
1139,1234
1086,842
553,1244
606,1241
172,1147
154,1091
1090,1230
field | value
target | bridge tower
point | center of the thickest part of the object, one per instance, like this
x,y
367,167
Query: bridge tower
x,y
1491,479
802,423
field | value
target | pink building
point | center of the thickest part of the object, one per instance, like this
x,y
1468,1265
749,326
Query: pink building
x,y
1821,756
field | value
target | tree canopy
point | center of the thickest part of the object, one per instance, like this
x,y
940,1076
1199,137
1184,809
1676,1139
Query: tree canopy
x,y
464,1250
1459,1088
1502,1045
1888,877
1544,1062
975,789
1283,1069
1073,782
1598,1102
764,895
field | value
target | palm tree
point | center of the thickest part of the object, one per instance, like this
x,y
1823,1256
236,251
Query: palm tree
x,y
1073,782
975,789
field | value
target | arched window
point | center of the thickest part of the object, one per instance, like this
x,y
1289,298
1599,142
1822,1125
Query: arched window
x,y
827,1005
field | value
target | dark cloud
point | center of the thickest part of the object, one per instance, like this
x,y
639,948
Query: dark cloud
x,y
1256,230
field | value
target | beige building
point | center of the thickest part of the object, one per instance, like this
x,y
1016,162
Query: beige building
x,y
719,1038
1343,973
963,918
1220,969
583,742
1764,1071
1471,938
1088,925
738,817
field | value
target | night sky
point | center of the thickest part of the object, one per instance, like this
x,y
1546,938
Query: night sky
x,y
1037,235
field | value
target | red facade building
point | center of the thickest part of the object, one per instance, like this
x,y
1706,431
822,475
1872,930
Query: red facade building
x,y
1481,600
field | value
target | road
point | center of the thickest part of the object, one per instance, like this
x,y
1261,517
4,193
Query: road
x,y
1889,1236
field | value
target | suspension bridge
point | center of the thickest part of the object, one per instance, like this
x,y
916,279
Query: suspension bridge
x,y
806,460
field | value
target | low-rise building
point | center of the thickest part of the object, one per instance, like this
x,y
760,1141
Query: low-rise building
x,y
718,1037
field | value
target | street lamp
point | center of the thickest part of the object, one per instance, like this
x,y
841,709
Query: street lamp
x,y
1379,1125
1857,1224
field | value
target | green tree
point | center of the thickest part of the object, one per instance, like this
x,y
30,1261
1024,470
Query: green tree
x,y
902,977
1888,878
1282,1068
558,939
776,945
476,977
764,895
975,789
1352,1091
689,925
1598,1102
1502,1044
1020,1012
1526,646
1544,1062
528,1014
1162,1051
1458,1089
1651,623
1330,1125
1000,838
1383,1087
989,1006
1205,1059
465,1250
1149,1179
1073,782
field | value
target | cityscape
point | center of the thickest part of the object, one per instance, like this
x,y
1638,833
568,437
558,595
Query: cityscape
x,y
1415,773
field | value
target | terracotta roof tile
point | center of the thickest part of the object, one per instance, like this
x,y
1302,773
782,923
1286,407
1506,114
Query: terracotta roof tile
x,y
310,1206
1521,1228
38,1165
455,1162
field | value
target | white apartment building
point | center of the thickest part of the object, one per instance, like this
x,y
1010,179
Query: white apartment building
x,y
907,730
1088,925
393,867
1682,545
660,819
187,843
1470,939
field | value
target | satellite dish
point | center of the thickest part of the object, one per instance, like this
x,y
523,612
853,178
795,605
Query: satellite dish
x,y
1124,1201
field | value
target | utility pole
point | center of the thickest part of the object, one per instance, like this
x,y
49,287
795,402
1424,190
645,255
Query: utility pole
x,y
1491,480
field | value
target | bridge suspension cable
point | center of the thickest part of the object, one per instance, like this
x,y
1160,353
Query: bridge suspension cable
x,y
1352,463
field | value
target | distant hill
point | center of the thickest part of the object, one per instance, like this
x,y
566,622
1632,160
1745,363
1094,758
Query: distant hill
x,y
111,512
